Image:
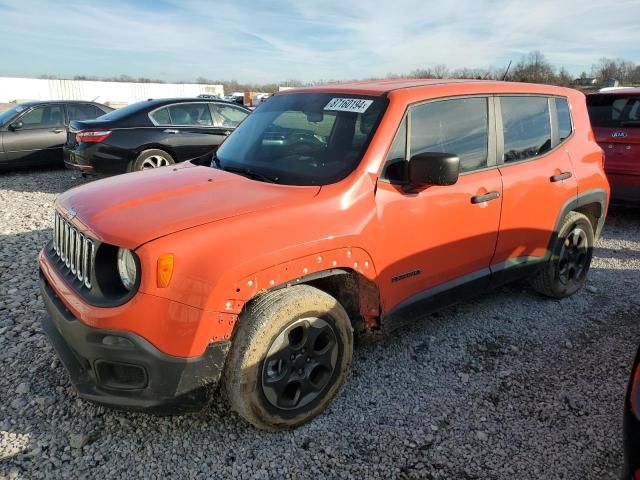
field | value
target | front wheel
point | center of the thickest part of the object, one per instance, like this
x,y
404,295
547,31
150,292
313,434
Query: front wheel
x,y
566,270
290,355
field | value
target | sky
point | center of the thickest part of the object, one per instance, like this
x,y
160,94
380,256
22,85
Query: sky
x,y
264,41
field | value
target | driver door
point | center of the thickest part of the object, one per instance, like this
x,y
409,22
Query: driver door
x,y
436,239
39,139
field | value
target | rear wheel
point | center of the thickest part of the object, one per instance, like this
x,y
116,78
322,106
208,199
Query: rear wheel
x,y
153,158
566,271
289,357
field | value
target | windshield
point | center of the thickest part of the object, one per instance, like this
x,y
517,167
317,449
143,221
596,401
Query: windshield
x,y
614,110
8,115
304,138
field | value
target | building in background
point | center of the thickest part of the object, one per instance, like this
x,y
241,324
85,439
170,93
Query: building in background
x,y
114,94
585,81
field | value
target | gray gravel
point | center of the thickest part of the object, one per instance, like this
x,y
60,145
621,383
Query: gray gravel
x,y
511,385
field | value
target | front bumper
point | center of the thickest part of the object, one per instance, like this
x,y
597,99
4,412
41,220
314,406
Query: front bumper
x,y
123,370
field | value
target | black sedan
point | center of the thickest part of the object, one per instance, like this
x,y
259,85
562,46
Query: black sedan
x,y
632,424
150,134
33,133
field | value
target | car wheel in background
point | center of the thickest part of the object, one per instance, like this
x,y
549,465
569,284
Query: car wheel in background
x,y
153,158
290,355
566,271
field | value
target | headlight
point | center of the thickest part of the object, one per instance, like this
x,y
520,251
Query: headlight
x,y
127,268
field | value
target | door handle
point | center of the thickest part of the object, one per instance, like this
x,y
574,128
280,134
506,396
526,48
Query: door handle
x,y
171,130
57,130
560,177
487,197
227,132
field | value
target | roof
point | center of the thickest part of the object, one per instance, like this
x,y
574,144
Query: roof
x,y
382,87
618,91
167,101
30,103
377,87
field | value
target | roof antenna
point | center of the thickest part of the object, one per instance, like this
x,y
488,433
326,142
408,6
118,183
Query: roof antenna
x,y
504,77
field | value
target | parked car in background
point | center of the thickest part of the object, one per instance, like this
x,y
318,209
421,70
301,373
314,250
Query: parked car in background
x,y
33,133
150,134
210,96
615,118
631,434
236,97
333,209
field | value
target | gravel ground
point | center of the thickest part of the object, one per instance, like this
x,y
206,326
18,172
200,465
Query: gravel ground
x,y
510,385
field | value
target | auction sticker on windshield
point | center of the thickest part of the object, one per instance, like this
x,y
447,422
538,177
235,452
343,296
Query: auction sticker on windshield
x,y
355,105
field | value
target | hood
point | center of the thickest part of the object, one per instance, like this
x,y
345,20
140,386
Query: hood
x,y
132,209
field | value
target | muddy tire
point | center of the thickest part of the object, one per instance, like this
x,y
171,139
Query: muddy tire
x,y
566,270
290,355
152,158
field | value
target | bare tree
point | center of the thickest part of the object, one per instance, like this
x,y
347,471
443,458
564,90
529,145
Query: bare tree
x,y
533,68
615,69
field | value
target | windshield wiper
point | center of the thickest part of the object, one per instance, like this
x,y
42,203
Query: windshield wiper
x,y
250,173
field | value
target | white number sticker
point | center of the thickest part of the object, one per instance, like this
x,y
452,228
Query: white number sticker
x,y
356,105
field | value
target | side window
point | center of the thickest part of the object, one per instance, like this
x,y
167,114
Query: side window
x,y
527,127
43,117
617,107
97,112
191,114
227,116
633,115
564,118
395,166
458,126
161,116
82,111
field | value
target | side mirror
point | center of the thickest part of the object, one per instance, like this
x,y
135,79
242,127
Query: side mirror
x,y
433,168
16,125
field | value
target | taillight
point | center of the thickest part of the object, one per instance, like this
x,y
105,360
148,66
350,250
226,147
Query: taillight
x,y
634,394
92,136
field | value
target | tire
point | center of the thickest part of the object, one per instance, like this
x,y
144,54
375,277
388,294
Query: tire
x,y
148,158
566,270
277,376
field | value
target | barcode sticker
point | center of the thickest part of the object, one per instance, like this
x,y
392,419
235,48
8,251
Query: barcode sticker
x,y
355,105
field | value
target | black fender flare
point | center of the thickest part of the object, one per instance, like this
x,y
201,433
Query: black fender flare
x,y
589,197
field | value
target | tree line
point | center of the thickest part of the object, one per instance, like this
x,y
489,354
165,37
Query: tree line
x,y
533,67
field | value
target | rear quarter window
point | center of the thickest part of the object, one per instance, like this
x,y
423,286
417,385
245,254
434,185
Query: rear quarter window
x,y
161,116
526,127
564,118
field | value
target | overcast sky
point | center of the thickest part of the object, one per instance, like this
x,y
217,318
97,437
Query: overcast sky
x,y
264,41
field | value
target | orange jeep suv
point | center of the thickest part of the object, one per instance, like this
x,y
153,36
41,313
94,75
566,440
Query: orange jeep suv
x,y
330,210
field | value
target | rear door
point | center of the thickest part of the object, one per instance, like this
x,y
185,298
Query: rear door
x,y
537,177
615,119
187,129
40,138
